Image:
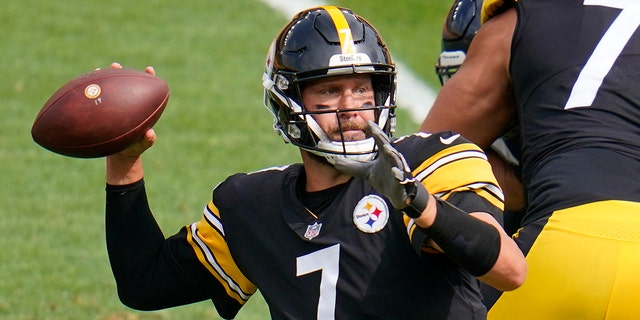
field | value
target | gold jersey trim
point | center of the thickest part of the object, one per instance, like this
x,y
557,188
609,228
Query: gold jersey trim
x,y
207,239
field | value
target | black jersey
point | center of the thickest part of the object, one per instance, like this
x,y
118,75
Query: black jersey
x,y
358,258
575,68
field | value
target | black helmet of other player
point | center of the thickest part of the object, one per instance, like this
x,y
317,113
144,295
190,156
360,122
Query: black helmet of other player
x,y
461,25
323,42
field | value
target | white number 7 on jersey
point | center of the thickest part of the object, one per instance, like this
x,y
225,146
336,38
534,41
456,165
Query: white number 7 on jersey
x,y
606,52
327,261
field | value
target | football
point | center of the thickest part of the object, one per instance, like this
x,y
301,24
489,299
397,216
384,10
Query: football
x,y
100,113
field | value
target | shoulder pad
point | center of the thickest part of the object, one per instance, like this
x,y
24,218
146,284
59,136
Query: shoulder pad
x,y
491,8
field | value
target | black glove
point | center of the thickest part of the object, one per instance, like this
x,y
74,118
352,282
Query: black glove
x,y
389,174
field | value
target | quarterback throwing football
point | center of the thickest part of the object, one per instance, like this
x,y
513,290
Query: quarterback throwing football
x,y
366,227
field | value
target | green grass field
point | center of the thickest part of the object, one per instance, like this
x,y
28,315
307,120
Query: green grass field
x,y
53,261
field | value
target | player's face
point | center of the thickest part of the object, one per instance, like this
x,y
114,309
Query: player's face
x,y
342,97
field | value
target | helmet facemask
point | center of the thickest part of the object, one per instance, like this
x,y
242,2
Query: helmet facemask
x,y
291,65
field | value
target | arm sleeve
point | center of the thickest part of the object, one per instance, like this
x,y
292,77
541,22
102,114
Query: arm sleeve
x,y
144,264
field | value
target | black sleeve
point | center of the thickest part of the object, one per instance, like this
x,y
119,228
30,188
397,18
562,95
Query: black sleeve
x,y
468,202
143,264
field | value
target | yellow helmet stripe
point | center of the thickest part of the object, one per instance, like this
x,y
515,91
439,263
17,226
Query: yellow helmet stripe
x,y
342,26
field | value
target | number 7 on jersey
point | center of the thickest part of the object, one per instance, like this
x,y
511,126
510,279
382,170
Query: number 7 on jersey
x,y
606,52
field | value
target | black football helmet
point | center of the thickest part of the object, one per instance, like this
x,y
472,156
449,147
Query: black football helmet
x,y
461,25
323,42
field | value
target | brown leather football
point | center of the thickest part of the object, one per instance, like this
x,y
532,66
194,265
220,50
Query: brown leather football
x,y
100,113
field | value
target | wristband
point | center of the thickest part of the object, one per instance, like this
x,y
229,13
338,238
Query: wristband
x,y
419,202
471,243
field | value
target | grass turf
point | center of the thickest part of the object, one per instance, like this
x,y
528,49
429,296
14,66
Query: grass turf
x,y
53,255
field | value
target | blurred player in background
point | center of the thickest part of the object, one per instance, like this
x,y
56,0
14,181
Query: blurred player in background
x,y
366,227
460,26
567,70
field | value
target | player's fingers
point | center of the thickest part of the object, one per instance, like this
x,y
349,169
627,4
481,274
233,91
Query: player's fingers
x,y
114,65
149,139
150,70
136,149
392,155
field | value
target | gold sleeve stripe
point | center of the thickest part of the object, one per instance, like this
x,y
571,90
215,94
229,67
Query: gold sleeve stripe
x,y
411,228
492,192
211,249
467,174
208,259
489,191
212,216
465,169
452,151
411,225
427,168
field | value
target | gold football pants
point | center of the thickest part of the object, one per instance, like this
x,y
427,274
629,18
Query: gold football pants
x,y
585,264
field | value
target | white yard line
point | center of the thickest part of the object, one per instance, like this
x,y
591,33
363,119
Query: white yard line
x,y
413,94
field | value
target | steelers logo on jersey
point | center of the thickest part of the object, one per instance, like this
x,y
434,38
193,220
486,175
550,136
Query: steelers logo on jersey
x,y
371,214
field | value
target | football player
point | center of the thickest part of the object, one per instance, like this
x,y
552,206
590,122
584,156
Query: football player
x,y
367,226
460,26
566,71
